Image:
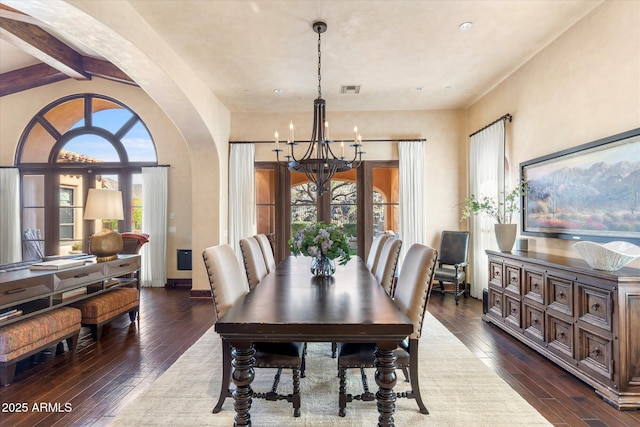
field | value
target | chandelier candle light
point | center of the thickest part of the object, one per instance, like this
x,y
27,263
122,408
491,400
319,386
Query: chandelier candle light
x,y
319,163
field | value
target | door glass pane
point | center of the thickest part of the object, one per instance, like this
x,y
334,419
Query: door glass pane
x,y
136,203
385,200
344,198
265,200
304,208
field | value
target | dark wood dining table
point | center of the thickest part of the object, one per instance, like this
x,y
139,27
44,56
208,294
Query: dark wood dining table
x,y
289,304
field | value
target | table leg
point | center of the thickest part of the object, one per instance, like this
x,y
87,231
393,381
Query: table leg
x,y
386,379
243,374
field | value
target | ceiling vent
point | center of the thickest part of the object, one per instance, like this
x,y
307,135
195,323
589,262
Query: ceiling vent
x,y
350,89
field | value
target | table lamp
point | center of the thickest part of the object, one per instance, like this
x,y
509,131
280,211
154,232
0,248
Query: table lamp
x,y
104,205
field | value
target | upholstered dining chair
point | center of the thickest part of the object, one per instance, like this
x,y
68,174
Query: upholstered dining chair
x,y
411,296
254,264
375,250
452,265
267,251
227,286
387,264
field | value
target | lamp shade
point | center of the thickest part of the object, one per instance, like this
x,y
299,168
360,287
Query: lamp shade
x,y
104,204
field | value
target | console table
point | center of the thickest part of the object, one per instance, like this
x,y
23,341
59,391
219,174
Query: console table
x,y
584,320
37,291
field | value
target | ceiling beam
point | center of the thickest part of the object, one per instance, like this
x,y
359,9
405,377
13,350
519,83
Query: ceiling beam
x,y
43,46
28,78
105,69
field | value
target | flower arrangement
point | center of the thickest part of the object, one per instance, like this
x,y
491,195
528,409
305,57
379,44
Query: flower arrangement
x,y
501,210
319,239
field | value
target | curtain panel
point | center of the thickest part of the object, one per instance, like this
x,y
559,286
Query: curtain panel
x,y
154,223
486,176
10,244
412,173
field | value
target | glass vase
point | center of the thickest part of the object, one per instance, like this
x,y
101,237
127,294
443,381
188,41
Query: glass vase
x,y
322,266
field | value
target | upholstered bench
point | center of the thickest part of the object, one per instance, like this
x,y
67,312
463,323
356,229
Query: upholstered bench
x,y
102,309
27,337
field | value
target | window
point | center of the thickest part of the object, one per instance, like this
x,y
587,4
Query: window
x,y
73,144
363,202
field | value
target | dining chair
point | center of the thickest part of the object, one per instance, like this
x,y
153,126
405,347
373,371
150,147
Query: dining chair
x,y
267,251
411,296
227,286
387,264
254,264
452,265
375,250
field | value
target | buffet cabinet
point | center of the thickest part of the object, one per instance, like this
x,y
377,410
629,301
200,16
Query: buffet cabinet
x,y
585,320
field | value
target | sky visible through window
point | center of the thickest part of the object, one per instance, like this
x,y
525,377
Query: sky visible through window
x,y
137,141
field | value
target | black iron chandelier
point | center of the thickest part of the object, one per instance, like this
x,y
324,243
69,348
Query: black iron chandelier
x,y
319,162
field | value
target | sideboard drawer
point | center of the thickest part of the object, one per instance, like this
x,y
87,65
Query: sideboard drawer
x,y
512,311
560,336
25,289
560,294
65,279
512,283
495,273
595,306
121,266
534,323
495,303
595,354
534,286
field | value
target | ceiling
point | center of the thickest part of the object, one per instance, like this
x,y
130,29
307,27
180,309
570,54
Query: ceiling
x,y
405,55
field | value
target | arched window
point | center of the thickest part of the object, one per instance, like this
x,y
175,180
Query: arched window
x,y
75,143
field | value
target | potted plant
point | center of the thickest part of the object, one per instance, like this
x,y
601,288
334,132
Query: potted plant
x,y
501,209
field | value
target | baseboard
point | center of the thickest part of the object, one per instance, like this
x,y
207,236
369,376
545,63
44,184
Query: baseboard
x,y
200,294
178,283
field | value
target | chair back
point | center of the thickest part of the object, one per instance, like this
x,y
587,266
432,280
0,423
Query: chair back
x,y
225,277
454,247
412,291
267,251
253,261
133,242
387,264
375,250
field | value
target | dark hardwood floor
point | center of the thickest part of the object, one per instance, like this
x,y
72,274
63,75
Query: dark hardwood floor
x,y
90,386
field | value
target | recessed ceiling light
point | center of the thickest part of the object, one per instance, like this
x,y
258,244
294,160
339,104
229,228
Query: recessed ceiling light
x,y
419,89
277,90
465,26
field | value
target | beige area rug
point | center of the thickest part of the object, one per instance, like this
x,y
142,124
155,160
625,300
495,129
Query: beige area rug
x,y
457,388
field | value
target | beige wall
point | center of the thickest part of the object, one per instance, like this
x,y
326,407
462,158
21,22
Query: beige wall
x,y
16,110
582,87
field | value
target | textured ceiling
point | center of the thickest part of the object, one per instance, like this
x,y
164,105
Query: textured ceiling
x,y
243,50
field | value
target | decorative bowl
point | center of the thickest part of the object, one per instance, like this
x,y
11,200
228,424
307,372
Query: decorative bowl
x,y
607,256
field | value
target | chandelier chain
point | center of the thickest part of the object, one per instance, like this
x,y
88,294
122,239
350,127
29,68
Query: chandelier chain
x,y
319,64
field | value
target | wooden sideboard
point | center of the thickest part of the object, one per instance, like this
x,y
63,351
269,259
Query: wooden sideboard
x,y
37,291
585,320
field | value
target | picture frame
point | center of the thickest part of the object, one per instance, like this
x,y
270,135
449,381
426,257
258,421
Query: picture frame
x,y
588,192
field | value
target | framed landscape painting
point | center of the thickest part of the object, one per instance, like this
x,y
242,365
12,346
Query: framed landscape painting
x,y
589,192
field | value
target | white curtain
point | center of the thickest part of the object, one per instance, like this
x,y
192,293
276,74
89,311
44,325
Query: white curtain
x,y
412,194
154,223
486,178
10,247
242,194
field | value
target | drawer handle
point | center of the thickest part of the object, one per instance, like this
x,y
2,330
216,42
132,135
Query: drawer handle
x,y
535,321
561,295
124,265
561,335
514,280
514,310
15,291
595,352
77,276
535,285
595,306
496,274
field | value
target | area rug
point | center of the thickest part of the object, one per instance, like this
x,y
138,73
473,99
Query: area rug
x,y
457,388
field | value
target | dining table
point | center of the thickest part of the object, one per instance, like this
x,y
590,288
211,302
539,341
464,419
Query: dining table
x,y
292,305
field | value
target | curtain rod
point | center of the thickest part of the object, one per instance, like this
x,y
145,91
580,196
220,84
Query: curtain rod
x,y
335,140
505,117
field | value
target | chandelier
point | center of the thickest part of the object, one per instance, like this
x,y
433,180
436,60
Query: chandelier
x,y
319,162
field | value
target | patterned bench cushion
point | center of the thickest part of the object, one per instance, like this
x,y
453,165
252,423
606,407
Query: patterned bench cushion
x,y
108,305
26,335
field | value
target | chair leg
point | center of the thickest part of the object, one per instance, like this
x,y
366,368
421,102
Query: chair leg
x,y
296,392
342,398
457,293
406,374
334,349
415,387
226,376
303,363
